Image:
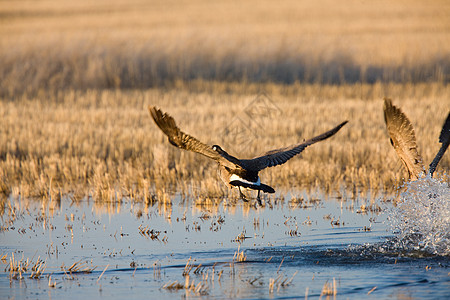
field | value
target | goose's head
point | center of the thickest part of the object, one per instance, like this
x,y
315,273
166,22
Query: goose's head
x,y
218,149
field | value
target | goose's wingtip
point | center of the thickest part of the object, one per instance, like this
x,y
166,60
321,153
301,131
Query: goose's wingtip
x,y
342,124
152,108
387,102
153,112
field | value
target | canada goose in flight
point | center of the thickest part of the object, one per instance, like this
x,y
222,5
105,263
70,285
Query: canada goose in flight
x,y
234,172
403,140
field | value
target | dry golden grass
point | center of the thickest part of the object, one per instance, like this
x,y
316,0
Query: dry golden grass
x,y
105,144
329,289
134,44
66,127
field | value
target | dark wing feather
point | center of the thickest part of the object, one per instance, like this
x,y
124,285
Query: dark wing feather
x,y
280,156
184,141
444,139
403,139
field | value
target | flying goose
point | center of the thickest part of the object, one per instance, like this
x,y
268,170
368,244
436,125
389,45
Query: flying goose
x,y
403,140
234,172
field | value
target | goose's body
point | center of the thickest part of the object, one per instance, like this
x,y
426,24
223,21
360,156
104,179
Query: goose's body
x,y
234,172
403,139
246,179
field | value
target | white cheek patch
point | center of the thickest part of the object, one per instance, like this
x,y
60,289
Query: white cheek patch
x,y
235,177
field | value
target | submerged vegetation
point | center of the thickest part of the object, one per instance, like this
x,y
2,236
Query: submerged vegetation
x,y
231,251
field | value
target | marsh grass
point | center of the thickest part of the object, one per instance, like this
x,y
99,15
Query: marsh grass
x,y
79,267
77,79
281,281
104,144
329,289
53,45
201,288
239,256
17,268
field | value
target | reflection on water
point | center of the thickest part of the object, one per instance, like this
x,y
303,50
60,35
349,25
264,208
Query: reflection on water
x,y
291,247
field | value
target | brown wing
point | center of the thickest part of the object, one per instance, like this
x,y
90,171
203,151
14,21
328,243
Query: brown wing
x,y
403,139
444,139
184,141
280,156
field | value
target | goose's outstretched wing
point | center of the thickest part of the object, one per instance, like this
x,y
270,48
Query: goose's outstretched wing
x,y
280,156
444,139
403,139
184,141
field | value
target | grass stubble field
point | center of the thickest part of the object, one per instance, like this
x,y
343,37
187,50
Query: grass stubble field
x,y
77,78
105,144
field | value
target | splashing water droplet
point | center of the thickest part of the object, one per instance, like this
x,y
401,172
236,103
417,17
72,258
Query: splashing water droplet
x,y
421,218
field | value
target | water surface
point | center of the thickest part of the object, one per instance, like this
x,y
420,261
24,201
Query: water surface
x,y
288,249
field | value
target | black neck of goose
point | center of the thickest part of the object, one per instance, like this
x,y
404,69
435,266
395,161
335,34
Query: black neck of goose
x,y
224,154
229,157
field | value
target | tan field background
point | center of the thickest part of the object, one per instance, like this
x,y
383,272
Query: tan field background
x,y
77,78
140,44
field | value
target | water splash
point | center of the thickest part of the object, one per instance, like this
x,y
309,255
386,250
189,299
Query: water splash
x,y
421,219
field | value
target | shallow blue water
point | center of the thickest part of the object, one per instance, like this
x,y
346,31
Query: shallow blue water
x,y
304,246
